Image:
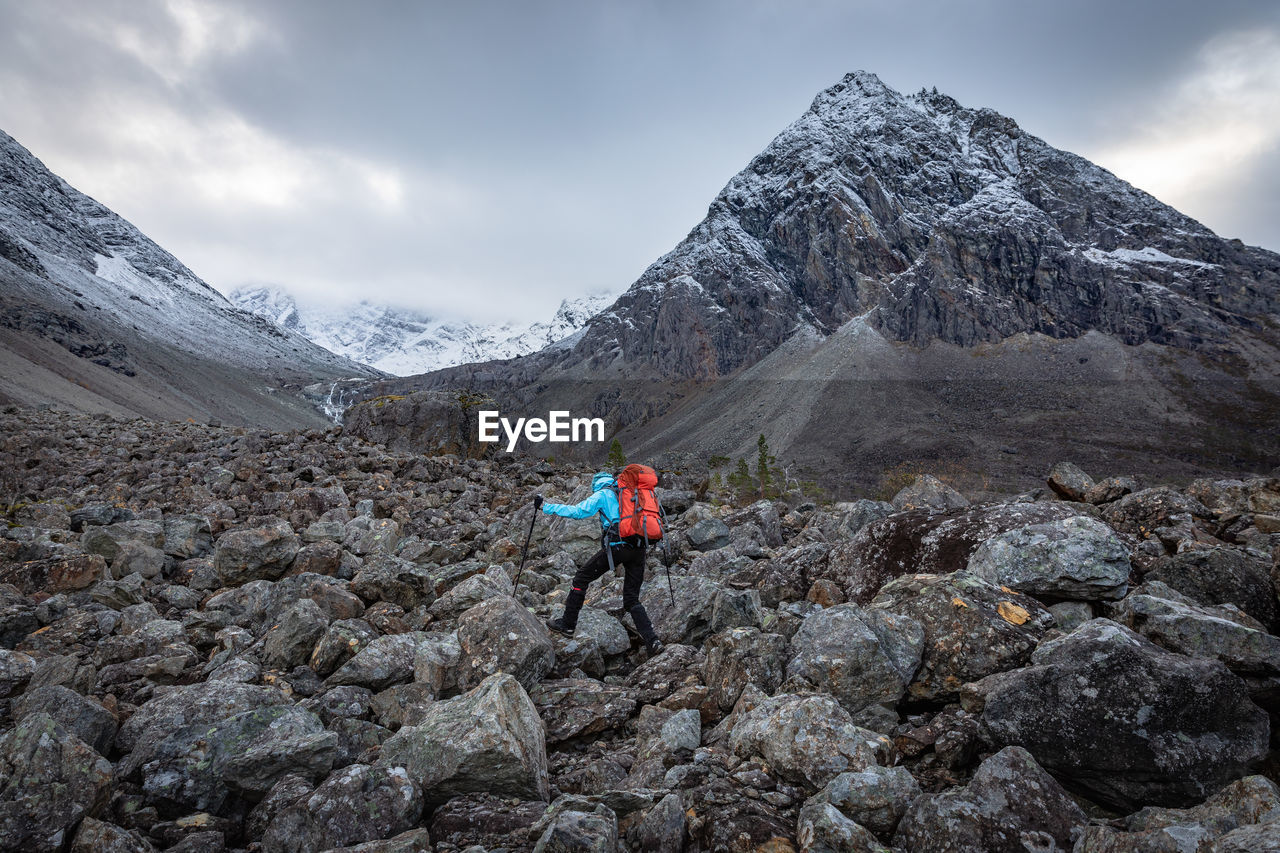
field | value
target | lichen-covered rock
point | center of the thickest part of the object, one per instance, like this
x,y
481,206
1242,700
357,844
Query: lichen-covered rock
x,y
1244,803
708,534
174,708
383,662
259,553
1127,721
688,619
1110,489
501,635
575,831
1199,631
821,828
49,780
875,797
574,707
845,519
928,492
95,836
291,642
971,628
677,667
489,739
1221,576
199,766
1010,806
1069,482
663,826
83,717
741,656
925,542
16,669
356,804
807,739
1073,558
860,656
387,578
342,640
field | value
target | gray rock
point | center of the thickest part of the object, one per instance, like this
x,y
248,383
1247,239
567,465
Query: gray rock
x,y
291,642
1127,721
821,828
928,492
971,628
387,578
1110,489
1247,801
576,707
95,836
199,766
435,663
83,717
664,826
1010,806
846,519
1221,576
174,708
187,536
688,620
489,739
356,804
107,540
1261,838
1069,615
467,594
708,534
365,535
383,662
402,704
260,553
683,730
741,656
860,656
16,670
808,740
1199,631
874,797
573,831
49,780
735,608
1074,558
137,558
342,640
1069,482
603,630
501,635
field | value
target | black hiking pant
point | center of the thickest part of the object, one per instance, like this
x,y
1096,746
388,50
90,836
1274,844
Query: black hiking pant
x,y
628,554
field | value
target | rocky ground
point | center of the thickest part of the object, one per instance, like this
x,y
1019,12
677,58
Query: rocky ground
x,y
226,639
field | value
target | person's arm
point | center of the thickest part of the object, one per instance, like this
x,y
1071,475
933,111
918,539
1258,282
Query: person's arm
x,y
592,505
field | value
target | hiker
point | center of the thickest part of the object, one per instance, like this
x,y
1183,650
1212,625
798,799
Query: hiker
x,y
629,551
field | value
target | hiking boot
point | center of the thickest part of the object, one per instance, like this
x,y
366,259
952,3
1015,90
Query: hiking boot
x,y
655,647
558,625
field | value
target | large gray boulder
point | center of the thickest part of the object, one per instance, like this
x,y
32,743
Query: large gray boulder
x,y
258,553
860,656
501,635
807,739
741,656
489,739
80,715
1072,558
356,804
1010,806
199,766
387,578
924,541
1126,720
1069,482
930,493
49,780
971,628
385,661
688,619
291,642
1245,803
1199,631
821,828
875,797
577,707
1222,576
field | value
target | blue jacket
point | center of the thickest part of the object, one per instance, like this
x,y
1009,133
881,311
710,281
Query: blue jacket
x,y
603,502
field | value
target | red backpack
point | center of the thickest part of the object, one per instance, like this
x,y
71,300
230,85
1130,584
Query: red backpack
x,y
639,512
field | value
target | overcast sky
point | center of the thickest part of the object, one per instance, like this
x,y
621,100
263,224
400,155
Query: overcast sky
x,y
486,159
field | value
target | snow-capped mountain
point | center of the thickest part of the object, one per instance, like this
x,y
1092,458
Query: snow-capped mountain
x,y
899,278
95,316
404,342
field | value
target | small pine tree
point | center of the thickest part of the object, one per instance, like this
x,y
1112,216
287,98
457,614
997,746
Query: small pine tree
x,y
763,461
741,481
617,459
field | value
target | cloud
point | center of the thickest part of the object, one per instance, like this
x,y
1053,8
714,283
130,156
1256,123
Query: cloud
x,y
1210,132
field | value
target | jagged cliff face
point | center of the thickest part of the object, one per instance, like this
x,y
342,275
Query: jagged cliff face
x,y
95,316
940,223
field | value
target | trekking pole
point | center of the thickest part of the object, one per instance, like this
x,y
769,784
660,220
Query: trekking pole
x,y
537,505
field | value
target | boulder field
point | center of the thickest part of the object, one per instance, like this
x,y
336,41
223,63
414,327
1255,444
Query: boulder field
x,y
222,639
